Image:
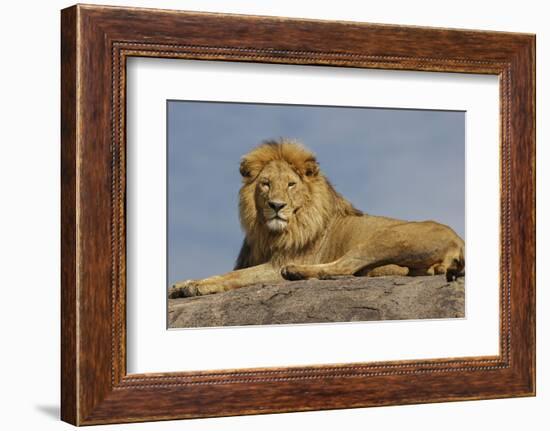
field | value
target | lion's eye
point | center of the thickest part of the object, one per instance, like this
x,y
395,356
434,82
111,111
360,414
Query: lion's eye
x,y
291,184
265,184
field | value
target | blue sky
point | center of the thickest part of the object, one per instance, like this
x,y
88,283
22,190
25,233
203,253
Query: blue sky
x,y
402,163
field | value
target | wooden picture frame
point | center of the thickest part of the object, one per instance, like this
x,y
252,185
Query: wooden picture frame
x,y
95,43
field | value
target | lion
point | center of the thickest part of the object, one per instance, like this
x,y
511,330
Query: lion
x,y
297,226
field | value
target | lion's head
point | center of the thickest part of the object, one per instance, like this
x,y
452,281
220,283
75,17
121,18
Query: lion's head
x,y
285,201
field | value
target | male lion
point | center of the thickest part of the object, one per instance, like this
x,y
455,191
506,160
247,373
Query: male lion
x,y
298,227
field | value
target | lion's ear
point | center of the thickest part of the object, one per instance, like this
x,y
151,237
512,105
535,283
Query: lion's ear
x,y
244,169
248,169
311,168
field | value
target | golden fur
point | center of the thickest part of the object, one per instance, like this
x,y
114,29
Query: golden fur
x,y
298,226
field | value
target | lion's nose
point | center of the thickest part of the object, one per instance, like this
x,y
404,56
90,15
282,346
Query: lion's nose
x,y
277,206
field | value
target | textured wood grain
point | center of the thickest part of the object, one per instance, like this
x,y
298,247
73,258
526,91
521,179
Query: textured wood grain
x,y
69,366
96,41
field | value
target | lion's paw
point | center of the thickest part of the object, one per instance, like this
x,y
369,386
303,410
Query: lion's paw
x,y
292,272
184,289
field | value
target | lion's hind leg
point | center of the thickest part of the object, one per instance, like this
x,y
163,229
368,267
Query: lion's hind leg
x,y
435,269
450,267
409,245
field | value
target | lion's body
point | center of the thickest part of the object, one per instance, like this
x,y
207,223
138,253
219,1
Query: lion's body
x,y
297,226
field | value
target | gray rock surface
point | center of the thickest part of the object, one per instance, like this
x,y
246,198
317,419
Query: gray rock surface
x,y
347,299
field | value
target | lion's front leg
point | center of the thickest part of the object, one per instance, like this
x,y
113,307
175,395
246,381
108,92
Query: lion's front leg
x,y
265,273
187,288
340,267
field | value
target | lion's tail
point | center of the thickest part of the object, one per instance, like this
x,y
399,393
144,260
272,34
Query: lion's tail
x,y
458,266
461,263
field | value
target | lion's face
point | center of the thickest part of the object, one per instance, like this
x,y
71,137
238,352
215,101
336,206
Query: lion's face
x,y
279,195
285,202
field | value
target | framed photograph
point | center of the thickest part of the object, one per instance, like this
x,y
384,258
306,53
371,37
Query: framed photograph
x,y
289,216
265,214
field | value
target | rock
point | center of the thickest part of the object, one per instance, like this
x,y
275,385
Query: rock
x,y
349,299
